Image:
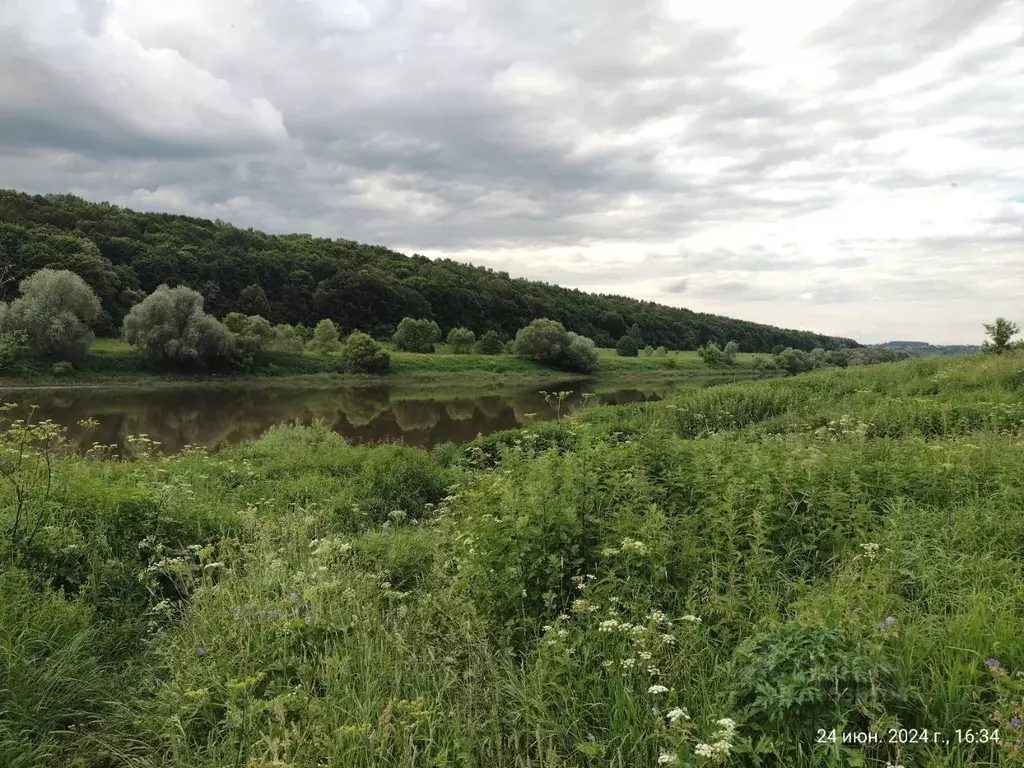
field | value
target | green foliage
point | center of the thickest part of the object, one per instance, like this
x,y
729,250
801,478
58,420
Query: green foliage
x,y
580,354
729,353
794,361
253,336
543,340
286,340
326,339
62,368
170,329
461,340
490,343
647,351
13,350
711,355
54,314
627,347
361,354
1000,335
414,335
660,352
299,279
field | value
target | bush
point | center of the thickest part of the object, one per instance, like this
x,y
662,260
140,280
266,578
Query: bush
x,y
729,353
361,354
13,350
415,335
661,352
508,347
627,347
286,340
711,354
461,340
55,313
252,334
490,344
542,340
170,327
580,355
647,351
62,368
325,339
794,361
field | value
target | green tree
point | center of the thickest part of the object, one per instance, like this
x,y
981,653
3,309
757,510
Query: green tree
x,y
55,312
627,347
794,361
490,343
661,352
361,354
729,353
169,327
461,340
543,340
326,339
647,351
253,335
253,301
416,335
1000,333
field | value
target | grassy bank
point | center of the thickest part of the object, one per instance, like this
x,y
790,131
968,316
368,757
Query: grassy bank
x,y
721,578
114,362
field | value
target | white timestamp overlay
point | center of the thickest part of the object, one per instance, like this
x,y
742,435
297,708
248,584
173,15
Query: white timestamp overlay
x,y
909,736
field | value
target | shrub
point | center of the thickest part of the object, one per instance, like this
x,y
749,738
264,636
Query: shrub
x,y
711,354
580,354
490,344
252,334
729,353
461,340
325,339
416,335
361,354
62,368
627,347
661,352
55,312
794,361
542,340
508,347
286,340
13,350
170,327
648,351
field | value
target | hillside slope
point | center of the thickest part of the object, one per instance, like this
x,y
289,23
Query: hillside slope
x,y
302,279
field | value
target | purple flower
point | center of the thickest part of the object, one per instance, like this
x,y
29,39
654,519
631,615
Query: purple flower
x,y
993,663
249,605
1015,723
887,622
201,651
293,596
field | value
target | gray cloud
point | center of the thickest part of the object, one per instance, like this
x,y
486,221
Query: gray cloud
x,y
606,145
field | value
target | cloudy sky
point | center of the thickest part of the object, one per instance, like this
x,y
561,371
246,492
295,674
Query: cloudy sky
x,y
848,166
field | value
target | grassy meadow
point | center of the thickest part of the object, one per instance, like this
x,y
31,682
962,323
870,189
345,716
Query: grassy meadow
x,y
113,361
725,577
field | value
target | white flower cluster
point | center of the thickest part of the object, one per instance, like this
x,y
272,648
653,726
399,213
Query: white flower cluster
x,y
677,715
633,546
723,741
668,758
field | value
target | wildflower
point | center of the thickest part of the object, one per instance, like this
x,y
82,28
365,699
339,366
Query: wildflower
x,y
691,617
628,663
727,724
201,651
609,625
546,628
668,758
634,546
563,633
676,714
870,551
656,689
609,552
668,639
645,655
606,664
1015,722
704,750
887,622
293,596
653,671
564,617
658,617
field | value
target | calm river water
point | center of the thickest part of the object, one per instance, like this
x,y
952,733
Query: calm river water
x,y
222,415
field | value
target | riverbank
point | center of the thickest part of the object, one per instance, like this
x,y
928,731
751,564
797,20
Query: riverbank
x,y
112,363
629,587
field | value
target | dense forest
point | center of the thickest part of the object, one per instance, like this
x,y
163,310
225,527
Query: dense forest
x,y
124,255
924,349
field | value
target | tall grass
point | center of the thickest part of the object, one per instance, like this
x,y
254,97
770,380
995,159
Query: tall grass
x,y
722,578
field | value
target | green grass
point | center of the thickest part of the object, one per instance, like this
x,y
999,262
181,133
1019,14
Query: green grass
x,y
113,361
840,550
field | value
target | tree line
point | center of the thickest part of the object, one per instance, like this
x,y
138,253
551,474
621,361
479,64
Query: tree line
x,y
298,279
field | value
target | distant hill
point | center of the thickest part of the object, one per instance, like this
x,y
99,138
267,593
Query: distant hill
x,y
303,279
925,349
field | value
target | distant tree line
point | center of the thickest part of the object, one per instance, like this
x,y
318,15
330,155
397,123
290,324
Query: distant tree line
x,y
299,280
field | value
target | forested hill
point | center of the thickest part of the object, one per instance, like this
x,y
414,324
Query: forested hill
x,y
301,279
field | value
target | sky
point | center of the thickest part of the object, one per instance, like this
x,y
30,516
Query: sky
x,y
853,167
